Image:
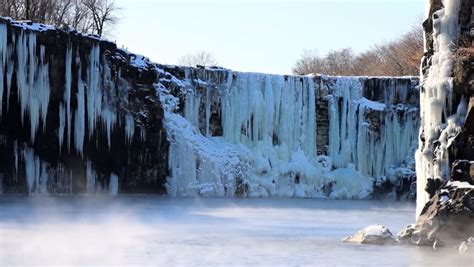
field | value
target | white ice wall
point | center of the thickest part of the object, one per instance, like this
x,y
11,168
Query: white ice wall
x,y
269,122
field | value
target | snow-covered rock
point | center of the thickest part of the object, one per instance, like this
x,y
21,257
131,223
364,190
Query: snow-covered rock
x,y
374,234
467,246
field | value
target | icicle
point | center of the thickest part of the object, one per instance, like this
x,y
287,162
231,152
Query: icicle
x,y
129,128
62,122
43,178
91,178
15,150
10,69
32,81
67,94
94,94
113,184
109,118
191,108
142,134
32,169
3,61
79,119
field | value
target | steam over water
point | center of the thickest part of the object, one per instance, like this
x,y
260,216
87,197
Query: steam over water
x,y
200,232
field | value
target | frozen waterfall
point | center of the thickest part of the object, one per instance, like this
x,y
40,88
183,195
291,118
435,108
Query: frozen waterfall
x,y
438,122
259,135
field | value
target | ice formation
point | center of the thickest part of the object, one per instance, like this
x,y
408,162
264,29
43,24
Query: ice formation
x,y
67,96
91,178
113,184
268,145
3,60
32,77
88,101
230,133
438,122
79,122
37,172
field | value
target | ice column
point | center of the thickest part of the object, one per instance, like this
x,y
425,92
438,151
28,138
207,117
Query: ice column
x,y
3,61
32,81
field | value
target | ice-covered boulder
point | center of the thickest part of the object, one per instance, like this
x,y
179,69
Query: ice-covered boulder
x,y
375,234
467,246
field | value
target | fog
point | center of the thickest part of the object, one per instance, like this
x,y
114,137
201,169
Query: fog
x,y
155,231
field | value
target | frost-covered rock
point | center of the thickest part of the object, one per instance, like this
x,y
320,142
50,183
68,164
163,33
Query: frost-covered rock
x,y
467,247
447,218
374,234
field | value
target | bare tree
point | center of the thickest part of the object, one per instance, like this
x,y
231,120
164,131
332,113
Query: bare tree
x,y
310,62
103,14
396,58
203,58
88,16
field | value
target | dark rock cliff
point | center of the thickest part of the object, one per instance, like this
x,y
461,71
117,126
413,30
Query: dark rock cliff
x,y
76,111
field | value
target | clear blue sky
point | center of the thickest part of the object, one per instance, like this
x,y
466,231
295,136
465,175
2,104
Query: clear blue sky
x,y
259,35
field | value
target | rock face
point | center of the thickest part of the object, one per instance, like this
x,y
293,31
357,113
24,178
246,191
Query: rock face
x,y
372,235
445,159
447,219
77,115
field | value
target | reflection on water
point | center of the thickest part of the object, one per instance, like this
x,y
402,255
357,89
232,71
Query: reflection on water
x,y
142,230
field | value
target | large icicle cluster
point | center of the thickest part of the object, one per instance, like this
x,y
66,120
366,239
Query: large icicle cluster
x,y
352,141
268,144
32,76
439,123
71,86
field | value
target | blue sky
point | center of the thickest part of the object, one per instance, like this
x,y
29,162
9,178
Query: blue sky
x,y
259,35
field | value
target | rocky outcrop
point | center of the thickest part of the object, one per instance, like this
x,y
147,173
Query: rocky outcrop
x,y
445,159
77,115
447,219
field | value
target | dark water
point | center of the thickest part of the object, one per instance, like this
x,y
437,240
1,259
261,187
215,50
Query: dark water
x,y
154,231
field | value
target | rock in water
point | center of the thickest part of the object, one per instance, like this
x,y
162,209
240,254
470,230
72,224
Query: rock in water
x,y
447,218
467,246
375,234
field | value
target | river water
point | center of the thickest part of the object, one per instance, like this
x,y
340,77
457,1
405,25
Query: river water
x,y
156,231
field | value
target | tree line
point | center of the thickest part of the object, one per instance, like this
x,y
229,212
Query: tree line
x,y
87,16
396,58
